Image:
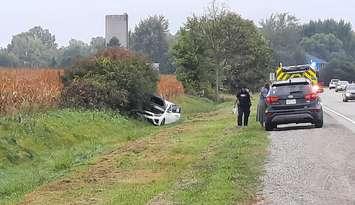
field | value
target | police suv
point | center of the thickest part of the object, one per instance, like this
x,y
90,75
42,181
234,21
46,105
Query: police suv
x,y
293,101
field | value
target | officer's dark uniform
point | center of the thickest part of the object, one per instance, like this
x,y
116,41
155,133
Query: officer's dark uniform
x,y
244,104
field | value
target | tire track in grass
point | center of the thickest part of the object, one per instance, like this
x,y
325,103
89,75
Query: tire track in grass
x,y
179,165
139,164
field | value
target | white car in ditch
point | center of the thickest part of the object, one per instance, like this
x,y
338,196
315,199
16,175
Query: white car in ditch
x,y
161,112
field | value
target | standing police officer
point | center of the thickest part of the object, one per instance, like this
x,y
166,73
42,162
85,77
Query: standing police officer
x,y
244,103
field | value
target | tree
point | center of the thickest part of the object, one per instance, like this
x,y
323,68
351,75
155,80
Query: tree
x,y
114,43
97,44
323,45
34,48
284,34
44,35
221,47
340,29
190,56
114,78
8,59
151,38
341,67
73,52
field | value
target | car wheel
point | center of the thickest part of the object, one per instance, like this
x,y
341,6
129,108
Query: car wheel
x,y
345,100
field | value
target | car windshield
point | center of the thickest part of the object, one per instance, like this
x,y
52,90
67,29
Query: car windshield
x,y
287,89
156,105
335,81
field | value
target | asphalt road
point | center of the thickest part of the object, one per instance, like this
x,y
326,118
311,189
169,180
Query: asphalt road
x,y
314,166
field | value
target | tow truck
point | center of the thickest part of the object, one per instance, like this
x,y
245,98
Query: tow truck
x,y
300,71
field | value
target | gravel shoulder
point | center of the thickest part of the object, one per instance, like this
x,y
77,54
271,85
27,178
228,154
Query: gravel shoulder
x,y
311,166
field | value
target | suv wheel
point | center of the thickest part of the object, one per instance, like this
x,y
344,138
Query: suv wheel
x,y
319,124
269,126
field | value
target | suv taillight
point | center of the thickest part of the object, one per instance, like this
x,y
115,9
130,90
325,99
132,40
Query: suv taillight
x,y
270,100
311,97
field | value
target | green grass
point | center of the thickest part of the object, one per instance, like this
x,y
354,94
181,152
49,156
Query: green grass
x,y
191,104
45,146
230,172
40,147
203,159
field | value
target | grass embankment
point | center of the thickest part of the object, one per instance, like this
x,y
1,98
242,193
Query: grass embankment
x,y
203,159
37,148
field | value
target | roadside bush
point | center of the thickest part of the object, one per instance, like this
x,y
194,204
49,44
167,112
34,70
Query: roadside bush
x,y
114,78
83,94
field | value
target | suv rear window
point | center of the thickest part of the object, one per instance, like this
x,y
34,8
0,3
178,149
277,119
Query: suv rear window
x,y
288,89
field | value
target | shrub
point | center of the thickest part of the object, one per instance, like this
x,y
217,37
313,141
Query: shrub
x,y
169,87
114,78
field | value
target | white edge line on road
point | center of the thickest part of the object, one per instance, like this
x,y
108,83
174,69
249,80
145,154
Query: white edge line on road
x,y
339,114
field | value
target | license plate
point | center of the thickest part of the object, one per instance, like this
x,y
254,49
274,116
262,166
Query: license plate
x,y
291,102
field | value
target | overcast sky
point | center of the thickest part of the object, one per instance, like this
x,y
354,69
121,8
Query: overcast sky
x,y
83,19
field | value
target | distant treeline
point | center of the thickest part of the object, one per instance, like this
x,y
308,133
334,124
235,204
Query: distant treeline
x,y
38,48
216,51
329,40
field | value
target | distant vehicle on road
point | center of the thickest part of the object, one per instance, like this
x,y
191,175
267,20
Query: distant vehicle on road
x,y
333,83
160,112
293,101
341,86
349,93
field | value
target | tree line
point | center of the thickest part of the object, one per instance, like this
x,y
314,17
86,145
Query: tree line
x,y
329,40
37,47
218,51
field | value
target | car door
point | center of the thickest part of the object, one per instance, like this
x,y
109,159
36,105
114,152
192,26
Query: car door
x,y
169,117
172,114
176,113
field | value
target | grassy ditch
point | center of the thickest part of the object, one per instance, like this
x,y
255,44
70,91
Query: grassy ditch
x,y
38,148
204,159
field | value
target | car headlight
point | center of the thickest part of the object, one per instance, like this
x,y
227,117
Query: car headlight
x,y
347,94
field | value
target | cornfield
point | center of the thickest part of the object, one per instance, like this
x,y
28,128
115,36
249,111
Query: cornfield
x,y
29,88
169,86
